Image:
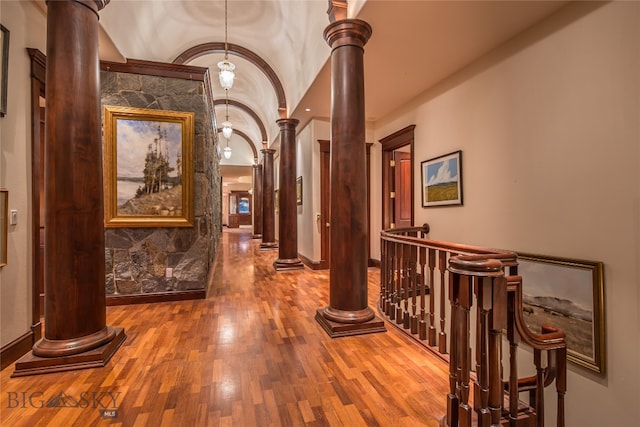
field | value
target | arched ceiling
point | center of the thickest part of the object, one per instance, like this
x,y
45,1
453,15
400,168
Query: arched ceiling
x,y
415,44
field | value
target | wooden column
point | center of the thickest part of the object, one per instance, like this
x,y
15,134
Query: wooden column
x,y
268,207
348,312
76,335
257,202
288,219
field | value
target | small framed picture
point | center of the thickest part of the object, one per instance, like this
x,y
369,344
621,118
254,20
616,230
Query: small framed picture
x,y
442,180
4,68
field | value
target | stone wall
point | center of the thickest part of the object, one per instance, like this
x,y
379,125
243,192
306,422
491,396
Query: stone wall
x,y
137,258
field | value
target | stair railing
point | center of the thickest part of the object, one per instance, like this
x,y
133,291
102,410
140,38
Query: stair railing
x,y
418,275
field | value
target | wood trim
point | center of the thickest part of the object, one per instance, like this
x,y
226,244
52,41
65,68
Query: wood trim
x,y
158,69
156,297
314,265
38,78
17,348
390,143
219,47
374,263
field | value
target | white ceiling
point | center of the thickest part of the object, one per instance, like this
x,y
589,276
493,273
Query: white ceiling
x,y
415,44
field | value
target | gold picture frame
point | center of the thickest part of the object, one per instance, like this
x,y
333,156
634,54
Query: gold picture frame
x,y
148,167
568,294
4,225
299,190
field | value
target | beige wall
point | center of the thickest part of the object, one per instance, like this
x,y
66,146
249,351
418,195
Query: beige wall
x,y
26,24
308,167
549,127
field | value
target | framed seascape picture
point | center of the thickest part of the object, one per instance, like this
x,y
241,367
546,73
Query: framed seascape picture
x,y
442,180
568,294
148,167
299,190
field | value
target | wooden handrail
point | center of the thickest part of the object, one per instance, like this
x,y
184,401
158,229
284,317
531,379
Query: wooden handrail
x,y
419,275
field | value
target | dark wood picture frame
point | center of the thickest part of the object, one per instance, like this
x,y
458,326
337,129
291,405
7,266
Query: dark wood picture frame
x,y
441,182
4,68
568,294
161,199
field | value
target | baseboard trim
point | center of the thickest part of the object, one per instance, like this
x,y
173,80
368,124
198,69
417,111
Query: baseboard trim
x,y
156,297
374,262
314,265
16,349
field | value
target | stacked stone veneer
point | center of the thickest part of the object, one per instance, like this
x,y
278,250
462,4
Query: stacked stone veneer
x,y
137,258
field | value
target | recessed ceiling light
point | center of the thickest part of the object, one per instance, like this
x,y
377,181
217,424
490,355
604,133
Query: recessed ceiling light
x,y
307,109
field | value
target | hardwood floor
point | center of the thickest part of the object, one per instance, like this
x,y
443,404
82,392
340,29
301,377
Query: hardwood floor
x,y
251,354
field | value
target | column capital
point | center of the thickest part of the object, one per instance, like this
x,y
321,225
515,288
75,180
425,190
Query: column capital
x,y
288,122
94,5
269,151
353,32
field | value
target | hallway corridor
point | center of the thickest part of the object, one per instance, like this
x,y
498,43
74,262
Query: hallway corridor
x,y
250,354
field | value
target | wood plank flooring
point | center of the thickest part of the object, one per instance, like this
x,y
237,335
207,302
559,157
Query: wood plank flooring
x,y
251,354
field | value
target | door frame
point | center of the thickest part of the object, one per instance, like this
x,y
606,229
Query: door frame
x,y
325,202
392,142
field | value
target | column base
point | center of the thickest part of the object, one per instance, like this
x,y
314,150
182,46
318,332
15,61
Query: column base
x,y
30,364
265,246
288,264
256,236
338,329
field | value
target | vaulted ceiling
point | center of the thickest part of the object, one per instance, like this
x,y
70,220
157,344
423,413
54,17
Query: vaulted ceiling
x,y
415,44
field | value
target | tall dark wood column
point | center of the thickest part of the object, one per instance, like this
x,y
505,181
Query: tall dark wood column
x,y
76,335
268,211
257,201
288,219
348,312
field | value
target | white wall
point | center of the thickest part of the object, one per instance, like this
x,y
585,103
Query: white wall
x,y
308,166
27,27
549,128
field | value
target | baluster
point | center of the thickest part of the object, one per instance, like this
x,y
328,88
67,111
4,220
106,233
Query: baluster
x,y
463,339
452,396
394,279
415,278
400,285
497,322
442,262
422,325
481,384
383,274
561,382
538,400
432,300
513,339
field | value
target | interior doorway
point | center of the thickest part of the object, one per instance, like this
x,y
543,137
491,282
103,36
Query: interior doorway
x,y
398,179
38,70
324,220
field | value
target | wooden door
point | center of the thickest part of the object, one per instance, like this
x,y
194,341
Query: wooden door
x,y
397,150
324,221
40,277
402,203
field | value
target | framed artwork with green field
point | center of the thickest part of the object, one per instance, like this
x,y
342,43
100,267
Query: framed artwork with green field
x,y
442,180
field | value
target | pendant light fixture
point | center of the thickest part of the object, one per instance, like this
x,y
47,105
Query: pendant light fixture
x,y
226,68
227,128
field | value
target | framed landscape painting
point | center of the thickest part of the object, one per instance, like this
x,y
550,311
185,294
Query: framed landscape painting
x,y
299,190
442,180
148,167
568,294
